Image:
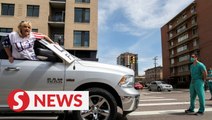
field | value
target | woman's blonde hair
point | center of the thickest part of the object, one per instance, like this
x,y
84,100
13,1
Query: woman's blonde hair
x,y
21,24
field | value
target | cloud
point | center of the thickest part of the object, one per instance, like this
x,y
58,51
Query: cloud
x,y
139,19
142,14
109,55
125,28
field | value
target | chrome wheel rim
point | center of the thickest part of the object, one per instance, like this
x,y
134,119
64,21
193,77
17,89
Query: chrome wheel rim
x,y
99,109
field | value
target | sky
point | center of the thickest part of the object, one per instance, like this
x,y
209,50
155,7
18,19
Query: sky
x,y
134,26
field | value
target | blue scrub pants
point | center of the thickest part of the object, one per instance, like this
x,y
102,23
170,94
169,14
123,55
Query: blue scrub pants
x,y
197,89
210,86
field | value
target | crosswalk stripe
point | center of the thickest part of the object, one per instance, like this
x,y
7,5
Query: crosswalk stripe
x,y
163,112
146,100
150,97
159,104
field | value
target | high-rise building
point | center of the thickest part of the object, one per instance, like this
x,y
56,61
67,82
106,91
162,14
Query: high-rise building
x,y
129,60
71,23
188,32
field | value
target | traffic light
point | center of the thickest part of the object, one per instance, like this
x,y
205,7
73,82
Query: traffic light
x,y
132,59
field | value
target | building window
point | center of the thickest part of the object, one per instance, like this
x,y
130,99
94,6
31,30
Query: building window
x,y
177,20
170,35
194,20
183,68
182,38
6,30
172,70
58,16
59,38
184,58
195,42
194,31
181,28
171,43
82,1
184,16
182,48
193,9
34,30
172,61
81,38
33,10
7,9
82,15
172,52
170,26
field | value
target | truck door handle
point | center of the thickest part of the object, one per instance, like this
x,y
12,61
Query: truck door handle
x,y
12,68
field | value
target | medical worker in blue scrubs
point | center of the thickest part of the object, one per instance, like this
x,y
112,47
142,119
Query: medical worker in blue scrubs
x,y
198,76
210,81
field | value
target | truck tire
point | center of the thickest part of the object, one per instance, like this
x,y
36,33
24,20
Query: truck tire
x,y
102,106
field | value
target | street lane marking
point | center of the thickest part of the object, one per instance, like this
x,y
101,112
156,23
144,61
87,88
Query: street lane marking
x,y
160,104
146,100
150,97
161,112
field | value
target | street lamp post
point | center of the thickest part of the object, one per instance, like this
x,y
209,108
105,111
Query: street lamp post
x,y
155,62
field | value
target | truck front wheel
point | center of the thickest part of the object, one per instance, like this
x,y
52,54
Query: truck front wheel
x,y
102,106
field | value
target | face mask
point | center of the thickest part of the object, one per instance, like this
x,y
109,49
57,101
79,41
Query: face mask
x,y
192,59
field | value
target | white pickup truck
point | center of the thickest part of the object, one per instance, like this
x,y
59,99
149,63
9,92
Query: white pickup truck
x,y
109,86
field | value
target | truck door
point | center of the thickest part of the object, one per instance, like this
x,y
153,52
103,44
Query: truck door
x,y
30,76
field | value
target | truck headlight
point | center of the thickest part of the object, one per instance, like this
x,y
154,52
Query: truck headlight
x,y
127,81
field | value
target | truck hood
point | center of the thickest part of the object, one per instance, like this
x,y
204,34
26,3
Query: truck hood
x,y
115,68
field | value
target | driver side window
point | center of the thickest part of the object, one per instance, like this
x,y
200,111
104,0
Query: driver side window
x,y
45,54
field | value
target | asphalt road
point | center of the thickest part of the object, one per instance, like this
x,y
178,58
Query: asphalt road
x,y
168,106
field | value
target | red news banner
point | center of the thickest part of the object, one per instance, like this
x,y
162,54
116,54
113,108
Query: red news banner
x,y
20,100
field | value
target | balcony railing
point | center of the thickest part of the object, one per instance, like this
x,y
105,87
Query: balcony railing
x,y
57,18
180,63
185,30
185,51
182,21
180,74
184,41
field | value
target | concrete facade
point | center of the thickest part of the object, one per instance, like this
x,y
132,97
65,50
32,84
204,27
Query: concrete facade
x,y
57,17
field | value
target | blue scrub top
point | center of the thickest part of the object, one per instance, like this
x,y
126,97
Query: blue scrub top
x,y
197,70
210,73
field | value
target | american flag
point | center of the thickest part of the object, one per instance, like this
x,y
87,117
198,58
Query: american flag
x,y
38,35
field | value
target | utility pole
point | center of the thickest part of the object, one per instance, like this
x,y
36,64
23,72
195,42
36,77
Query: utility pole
x,y
155,62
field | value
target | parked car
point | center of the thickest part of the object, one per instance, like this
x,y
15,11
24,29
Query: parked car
x,y
147,85
109,86
138,85
159,86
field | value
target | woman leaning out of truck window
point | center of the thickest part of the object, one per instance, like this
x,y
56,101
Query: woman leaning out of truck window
x,y
22,42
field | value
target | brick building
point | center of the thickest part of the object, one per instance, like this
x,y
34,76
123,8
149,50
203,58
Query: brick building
x,y
152,74
188,32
